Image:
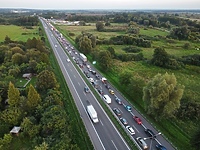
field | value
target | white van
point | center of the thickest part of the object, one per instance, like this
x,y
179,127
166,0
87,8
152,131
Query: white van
x,y
107,99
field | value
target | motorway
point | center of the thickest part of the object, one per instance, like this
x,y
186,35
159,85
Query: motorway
x,y
103,135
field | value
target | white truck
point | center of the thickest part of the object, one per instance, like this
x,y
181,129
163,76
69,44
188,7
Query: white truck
x,y
92,113
83,57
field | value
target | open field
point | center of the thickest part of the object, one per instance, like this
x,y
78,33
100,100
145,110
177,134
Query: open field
x,y
17,33
187,76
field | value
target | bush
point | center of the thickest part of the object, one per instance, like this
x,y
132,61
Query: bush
x,y
132,49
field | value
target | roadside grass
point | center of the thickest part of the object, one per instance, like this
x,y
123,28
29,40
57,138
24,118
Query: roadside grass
x,y
15,33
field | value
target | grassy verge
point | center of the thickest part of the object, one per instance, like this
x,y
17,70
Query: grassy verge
x,y
78,131
168,128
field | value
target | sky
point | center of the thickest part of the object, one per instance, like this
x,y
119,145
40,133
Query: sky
x,y
101,4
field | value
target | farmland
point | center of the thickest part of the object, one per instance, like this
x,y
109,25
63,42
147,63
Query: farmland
x,y
17,33
187,76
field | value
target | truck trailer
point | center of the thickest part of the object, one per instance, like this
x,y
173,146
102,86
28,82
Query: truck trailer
x,y
83,57
92,113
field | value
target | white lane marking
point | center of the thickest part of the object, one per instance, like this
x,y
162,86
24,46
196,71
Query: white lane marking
x,y
101,122
120,110
135,128
79,84
132,113
114,145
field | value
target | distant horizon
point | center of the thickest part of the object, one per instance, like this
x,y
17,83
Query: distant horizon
x,y
102,4
103,8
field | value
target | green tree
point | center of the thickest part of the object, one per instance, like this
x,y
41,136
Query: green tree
x,y
195,140
125,78
33,98
5,142
12,116
112,51
85,45
18,58
29,128
162,96
43,146
13,96
160,57
105,60
7,40
46,80
99,26
3,50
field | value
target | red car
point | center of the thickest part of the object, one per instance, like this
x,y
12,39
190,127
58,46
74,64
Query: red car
x,y
138,120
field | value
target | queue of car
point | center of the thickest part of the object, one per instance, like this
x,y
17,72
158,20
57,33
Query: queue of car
x,y
107,98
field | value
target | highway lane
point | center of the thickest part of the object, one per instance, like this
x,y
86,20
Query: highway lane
x,y
108,136
139,129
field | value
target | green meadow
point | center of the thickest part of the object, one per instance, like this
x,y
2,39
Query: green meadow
x,y
17,33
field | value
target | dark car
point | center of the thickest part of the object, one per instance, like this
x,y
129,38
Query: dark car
x,y
107,86
97,76
160,147
117,111
93,72
87,75
123,120
86,89
138,120
149,133
119,101
81,65
100,91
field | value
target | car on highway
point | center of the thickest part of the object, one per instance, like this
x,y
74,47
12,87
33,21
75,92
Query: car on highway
x,y
91,79
123,120
97,76
127,107
149,133
107,86
117,111
142,143
160,147
86,89
111,91
130,130
93,72
118,100
68,60
56,46
107,99
100,91
137,119
81,65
